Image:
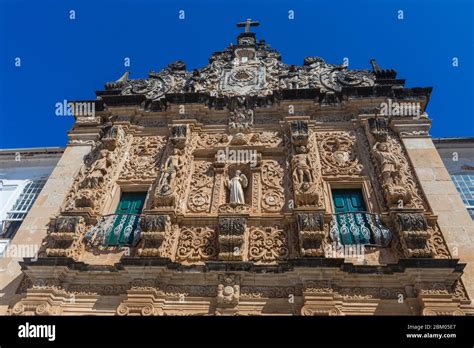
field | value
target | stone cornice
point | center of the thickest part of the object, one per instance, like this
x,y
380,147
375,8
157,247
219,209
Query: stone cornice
x,y
236,266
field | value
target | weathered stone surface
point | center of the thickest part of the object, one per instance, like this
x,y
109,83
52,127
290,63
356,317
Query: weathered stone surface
x,y
239,214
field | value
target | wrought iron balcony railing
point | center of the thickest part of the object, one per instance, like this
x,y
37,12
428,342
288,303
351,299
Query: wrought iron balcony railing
x,y
359,228
115,230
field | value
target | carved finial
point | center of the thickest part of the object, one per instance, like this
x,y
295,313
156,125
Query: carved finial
x,y
382,73
247,24
124,77
118,83
375,66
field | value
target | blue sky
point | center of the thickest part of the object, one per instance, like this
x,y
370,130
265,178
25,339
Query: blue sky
x,y
71,59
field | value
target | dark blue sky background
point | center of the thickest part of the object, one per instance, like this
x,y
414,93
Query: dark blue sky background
x,y
71,59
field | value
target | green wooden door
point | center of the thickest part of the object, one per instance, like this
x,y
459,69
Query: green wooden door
x,y
126,220
350,225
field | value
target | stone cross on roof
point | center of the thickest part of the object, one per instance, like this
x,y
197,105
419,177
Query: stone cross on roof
x,y
247,24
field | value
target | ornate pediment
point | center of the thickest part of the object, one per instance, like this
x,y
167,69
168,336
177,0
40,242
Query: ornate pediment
x,y
250,67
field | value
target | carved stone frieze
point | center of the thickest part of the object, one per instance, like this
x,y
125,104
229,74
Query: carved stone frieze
x,y
197,244
257,292
268,244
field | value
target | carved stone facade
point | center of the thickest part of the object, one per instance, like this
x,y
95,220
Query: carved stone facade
x,y
238,163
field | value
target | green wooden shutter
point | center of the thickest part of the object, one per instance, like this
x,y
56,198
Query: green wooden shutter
x,y
126,221
347,201
350,226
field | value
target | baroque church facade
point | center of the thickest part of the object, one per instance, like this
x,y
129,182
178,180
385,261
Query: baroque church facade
x,y
250,187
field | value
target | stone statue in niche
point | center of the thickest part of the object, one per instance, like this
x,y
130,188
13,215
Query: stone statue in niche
x,y
388,163
171,170
98,171
236,187
302,173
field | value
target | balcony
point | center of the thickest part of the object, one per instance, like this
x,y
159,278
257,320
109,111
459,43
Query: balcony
x,y
115,230
359,228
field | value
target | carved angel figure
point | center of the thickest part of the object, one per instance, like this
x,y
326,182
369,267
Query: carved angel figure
x,y
236,187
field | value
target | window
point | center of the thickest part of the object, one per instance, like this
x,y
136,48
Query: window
x,y
465,186
126,223
348,200
123,227
21,207
352,224
26,200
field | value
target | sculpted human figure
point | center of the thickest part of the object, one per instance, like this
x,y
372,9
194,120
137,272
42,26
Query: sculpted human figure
x,y
388,162
99,170
236,187
302,168
171,170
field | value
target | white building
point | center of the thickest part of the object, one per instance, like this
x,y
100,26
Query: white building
x,y
23,173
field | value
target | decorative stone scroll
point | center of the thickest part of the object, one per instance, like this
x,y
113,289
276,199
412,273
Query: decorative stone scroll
x,y
273,197
197,244
199,198
268,244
